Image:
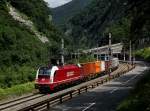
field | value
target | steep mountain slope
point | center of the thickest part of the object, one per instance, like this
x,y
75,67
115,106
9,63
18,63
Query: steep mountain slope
x,y
125,19
21,51
140,25
40,14
63,13
88,26
28,23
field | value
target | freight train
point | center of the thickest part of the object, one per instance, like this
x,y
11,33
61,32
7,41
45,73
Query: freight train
x,y
50,78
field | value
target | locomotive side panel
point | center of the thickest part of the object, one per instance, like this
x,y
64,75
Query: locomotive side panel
x,y
66,75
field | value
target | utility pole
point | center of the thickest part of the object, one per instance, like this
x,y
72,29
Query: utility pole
x,y
75,55
97,52
62,48
110,53
133,53
78,55
124,56
130,54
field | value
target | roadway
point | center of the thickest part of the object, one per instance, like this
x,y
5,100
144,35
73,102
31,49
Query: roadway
x,y
105,97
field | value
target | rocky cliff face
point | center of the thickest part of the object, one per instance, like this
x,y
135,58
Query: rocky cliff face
x,y
28,23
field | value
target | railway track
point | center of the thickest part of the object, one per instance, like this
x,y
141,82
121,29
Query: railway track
x,y
17,99
20,100
42,101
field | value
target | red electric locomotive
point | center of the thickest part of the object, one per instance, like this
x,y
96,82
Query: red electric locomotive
x,y
47,79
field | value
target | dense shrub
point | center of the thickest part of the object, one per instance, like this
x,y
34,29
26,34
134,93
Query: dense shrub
x,y
144,53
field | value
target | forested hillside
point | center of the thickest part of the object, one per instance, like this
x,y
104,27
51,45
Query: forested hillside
x,y
39,13
21,52
90,24
63,13
125,19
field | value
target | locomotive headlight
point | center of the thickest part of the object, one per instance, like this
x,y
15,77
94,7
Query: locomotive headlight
x,y
43,79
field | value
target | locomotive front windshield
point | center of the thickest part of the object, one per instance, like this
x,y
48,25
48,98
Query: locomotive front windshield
x,y
45,71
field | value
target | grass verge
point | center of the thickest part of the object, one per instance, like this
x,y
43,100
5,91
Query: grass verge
x,y
139,99
17,90
144,53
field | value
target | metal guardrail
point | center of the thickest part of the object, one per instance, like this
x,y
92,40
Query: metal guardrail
x,y
73,92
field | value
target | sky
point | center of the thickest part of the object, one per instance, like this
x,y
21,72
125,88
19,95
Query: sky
x,y
56,3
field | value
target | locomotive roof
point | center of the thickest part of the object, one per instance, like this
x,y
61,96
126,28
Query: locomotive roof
x,y
68,66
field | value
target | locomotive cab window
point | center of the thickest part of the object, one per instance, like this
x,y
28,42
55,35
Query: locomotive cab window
x,y
44,71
